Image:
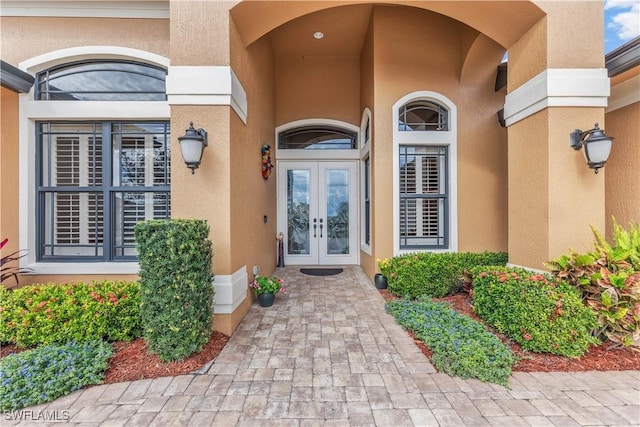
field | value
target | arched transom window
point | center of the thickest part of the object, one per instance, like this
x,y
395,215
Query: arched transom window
x,y
317,138
102,80
423,115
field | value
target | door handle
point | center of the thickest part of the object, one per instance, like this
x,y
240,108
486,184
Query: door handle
x,y
321,228
314,227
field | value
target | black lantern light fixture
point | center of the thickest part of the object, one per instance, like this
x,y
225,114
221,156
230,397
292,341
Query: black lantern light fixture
x,y
192,145
597,146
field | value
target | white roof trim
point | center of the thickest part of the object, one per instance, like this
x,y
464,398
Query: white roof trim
x,y
625,93
87,9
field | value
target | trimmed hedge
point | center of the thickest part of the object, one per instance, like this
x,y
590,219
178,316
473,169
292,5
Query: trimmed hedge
x,y
460,345
433,274
538,314
176,288
48,372
44,314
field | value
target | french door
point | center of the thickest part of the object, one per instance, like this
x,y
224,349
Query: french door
x,y
317,212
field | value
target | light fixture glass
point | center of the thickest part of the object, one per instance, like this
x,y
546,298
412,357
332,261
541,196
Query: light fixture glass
x,y
318,35
192,145
597,146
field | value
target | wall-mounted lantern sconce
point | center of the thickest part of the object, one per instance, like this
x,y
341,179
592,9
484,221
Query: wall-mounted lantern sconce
x,y
192,145
597,146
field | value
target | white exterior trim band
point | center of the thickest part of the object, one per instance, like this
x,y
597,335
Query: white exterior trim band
x,y
80,53
558,87
231,291
206,85
625,93
87,9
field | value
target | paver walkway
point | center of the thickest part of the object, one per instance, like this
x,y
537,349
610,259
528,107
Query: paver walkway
x,y
326,353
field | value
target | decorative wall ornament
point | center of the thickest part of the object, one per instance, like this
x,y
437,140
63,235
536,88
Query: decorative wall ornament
x,y
267,165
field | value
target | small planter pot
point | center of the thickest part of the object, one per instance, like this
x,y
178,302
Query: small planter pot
x,y
266,300
380,281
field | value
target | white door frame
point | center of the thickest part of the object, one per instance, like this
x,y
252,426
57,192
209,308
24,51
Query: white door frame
x,y
318,246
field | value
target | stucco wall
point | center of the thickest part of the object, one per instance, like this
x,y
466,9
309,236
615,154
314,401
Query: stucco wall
x,y
9,168
252,197
317,88
622,179
27,37
401,68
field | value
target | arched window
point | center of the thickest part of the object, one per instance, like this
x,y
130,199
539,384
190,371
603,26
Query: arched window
x,y
317,138
425,181
101,80
423,115
96,178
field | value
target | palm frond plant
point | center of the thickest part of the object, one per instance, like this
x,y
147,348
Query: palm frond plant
x,y
7,269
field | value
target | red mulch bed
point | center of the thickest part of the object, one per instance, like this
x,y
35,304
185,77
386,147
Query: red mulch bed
x,y
131,360
605,357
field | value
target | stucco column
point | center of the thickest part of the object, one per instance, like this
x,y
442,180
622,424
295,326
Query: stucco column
x,y
203,89
557,83
199,40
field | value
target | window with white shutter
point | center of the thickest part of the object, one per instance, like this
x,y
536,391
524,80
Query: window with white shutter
x,y
425,155
423,196
95,182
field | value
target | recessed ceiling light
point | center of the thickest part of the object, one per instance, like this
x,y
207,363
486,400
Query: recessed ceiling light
x,y
318,35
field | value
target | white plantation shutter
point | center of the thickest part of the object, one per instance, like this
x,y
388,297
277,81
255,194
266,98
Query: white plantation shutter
x,y
422,196
77,215
88,210
67,205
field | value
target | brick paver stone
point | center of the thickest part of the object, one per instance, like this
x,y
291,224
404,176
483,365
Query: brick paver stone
x,y
327,354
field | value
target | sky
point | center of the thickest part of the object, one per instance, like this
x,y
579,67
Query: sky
x,y
621,22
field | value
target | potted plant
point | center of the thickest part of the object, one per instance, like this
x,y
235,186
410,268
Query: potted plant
x,y
266,289
380,279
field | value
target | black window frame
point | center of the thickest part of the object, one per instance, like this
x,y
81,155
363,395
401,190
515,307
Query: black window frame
x,y
420,105
317,130
105,187
404,238
45,91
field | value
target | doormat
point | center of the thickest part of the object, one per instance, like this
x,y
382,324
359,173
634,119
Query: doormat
x,y
321,271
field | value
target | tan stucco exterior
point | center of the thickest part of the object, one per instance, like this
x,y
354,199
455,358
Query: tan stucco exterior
x,y
9,167
622,184
553,197
27,37
520,189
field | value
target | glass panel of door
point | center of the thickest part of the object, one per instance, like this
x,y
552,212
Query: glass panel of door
x,y
317,211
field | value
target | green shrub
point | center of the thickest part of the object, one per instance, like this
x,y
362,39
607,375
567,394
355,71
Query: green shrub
x,y
48,372
44,314
609,280
176,289
433,274
460,345
538,314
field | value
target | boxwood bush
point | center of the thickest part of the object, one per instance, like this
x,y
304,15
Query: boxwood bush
x,y
44,314
538,314
433,274
176,288
48,372
460,345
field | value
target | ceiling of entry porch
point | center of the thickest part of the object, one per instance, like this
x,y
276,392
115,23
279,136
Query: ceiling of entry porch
x,y
291,24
